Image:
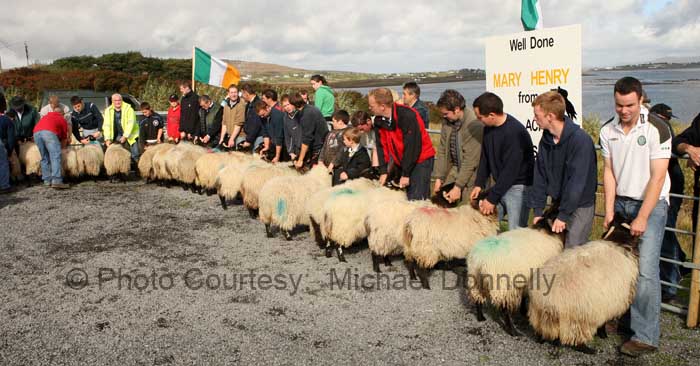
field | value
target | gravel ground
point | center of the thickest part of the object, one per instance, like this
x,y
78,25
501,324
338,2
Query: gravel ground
x,y
155,279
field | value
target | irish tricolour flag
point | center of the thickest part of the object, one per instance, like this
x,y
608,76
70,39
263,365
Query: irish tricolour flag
x,y
213,71
531,15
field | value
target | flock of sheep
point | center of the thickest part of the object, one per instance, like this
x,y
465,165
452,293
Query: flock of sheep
x,y
592,284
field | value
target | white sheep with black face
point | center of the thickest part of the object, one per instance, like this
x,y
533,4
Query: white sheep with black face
x,y
30,158
117,161
254,179
90,159
146,167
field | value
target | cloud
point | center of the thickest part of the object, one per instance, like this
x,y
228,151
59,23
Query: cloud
x,y
363,35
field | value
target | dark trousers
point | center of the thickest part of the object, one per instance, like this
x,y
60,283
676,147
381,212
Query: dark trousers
x,y
419,185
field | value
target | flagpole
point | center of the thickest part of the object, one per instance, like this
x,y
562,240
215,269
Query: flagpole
x,y
193,88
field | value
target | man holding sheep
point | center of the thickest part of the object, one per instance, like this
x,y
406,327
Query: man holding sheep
x,y
565,170
460,146
120,126
404,140
636,148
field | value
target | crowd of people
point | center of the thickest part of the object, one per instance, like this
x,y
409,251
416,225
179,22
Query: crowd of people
x,y
485,155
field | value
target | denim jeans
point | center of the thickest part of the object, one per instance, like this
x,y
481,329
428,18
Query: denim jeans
x,y
50,149
258,141
4,168
671,249
419,181
513,204
643,315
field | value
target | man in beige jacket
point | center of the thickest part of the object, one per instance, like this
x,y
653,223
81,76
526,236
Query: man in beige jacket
x,y
233,117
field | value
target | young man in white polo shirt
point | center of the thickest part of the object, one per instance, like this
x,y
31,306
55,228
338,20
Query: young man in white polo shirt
x,y
636,148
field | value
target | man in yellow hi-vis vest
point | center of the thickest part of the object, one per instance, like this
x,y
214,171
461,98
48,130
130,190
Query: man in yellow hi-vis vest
x,y
120,126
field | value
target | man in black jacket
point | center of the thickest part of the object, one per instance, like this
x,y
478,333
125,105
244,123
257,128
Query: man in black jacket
x,y
313,131
189,112
565,170
85,116
253,126
507,156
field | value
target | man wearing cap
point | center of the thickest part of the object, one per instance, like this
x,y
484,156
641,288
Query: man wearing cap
x,y
636,147
120,126
26,118
670,248
86,120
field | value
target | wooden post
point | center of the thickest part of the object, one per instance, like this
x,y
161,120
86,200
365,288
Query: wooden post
x,y
193,57
694,303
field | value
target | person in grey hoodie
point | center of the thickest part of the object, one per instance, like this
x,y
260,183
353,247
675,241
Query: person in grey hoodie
x,y
565,170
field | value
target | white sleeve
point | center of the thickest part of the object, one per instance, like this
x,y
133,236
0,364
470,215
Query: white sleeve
x,y
658,149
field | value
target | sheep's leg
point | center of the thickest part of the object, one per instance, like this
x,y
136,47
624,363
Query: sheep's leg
x,y
524,303
602,333
287,235
411,265
508,324
479,312
329,249
585,349
268,231
387,261
223,202
423,275
375,262
193,187
339,252
210,192
253,213
317,233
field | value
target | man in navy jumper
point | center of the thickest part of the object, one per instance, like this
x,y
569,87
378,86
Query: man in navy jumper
x,y
565,170
506,156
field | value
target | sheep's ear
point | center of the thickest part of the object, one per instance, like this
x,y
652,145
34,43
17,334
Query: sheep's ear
x,y
610,231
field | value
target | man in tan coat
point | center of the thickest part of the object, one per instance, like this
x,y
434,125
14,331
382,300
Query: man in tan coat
x,y
460,146
233,117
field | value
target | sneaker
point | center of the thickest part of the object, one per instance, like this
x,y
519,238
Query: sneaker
x,y
634,348
60,185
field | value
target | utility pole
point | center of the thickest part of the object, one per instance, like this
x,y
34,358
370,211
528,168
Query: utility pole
x,y
26,51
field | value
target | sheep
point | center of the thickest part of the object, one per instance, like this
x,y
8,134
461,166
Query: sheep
x,y
283,199
255,177
15,167
385,228
160,173
186,173
69,162
229,178
90,159
172,161
145,165
592,284
513,256
435,234
344,216
314,205
117,162
30,157
208,166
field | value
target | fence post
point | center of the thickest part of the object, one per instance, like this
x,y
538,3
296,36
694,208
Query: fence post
x,y
694,304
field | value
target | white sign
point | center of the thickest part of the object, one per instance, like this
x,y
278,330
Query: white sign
x,y
523,65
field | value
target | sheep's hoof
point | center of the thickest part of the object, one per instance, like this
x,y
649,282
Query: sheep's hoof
x,y
480,312
223,202
411,265
253,213
185,187
602,333
375,263
339,252
329,250
585,349
287,235
387,261
508,325
268,231
210,192
423,275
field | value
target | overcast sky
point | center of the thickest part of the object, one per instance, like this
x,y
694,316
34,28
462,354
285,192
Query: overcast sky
x,y
354,35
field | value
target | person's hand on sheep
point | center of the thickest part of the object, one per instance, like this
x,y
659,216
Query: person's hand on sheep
x,y
486,207
205,139
437,186
382,179
330,167
404,182
298,164
343,176
639,226
608,219
475,193
85,141
108,142
122,140
558,226
454,195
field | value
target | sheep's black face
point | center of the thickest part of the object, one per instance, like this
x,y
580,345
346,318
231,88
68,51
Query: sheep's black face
x,y
619,233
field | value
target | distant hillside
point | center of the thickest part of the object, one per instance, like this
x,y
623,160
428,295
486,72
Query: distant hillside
x,y
261,68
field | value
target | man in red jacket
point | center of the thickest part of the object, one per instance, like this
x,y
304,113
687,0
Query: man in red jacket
x,y
50,135
403,140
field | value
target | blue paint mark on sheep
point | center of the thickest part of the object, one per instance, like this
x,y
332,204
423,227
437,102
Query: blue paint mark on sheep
x,y
343,192
490,245
281,207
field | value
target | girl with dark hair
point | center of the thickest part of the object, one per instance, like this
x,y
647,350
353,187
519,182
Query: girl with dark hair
x,y
323,98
